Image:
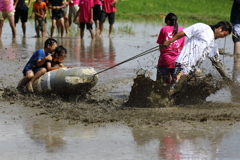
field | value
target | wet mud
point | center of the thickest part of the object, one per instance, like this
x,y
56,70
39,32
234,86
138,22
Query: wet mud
x,y
147,93
147,105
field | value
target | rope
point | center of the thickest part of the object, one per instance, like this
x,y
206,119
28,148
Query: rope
x,y
235,36
132,58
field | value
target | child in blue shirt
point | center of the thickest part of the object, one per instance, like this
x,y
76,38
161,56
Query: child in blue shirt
x,y
35,66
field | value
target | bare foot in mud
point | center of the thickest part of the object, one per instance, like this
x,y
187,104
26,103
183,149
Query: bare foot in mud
x,y
20,89
29,88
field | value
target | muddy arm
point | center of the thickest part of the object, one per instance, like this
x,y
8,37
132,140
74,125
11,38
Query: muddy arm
x,y
219,67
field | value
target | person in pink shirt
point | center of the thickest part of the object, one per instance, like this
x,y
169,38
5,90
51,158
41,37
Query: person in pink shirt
x,y
73,9
7,9
85,14
108,10
97,11
166,61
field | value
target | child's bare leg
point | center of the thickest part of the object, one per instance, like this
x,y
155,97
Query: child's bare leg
x,y
24,29
97,26
110,30
53,27
61,22
43,33
26,79
1,25
100,28
92,33
36,76
236,48
82,33
66,24
38,33
12,24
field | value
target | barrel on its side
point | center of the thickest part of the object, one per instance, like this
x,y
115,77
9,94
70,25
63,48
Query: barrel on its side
x,y
76,80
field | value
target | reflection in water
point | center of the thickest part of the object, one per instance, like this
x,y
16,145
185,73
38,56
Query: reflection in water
x,y
168,148
46,135
39,43
42,138
94,54
182,143
8,51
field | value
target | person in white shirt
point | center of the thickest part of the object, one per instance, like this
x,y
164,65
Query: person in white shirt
x,y
200,44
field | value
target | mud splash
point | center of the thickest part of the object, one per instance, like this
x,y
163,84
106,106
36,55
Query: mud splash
x,y
147,93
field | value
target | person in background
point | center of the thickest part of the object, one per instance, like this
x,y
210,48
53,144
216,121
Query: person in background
x,y
65,17
73,9
85,14
200,44
108,10
22,13
235,20
7,9
35,66
57,14
97,11
168,55
40,10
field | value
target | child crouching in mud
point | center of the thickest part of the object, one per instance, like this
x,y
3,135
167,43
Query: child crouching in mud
x,y
56,59
34,67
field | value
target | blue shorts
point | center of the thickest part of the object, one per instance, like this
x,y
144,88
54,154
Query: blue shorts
x,y
165,71
35,70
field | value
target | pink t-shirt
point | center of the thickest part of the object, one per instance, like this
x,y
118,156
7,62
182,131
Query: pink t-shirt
x,y
97,2
6,5
73,2
85,10
106,7
168,55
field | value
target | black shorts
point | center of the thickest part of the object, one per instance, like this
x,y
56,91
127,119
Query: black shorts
x,y
97,12
21,13
111,17
58,14
82,25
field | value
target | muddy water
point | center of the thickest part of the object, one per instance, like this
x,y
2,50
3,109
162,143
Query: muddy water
x,y
51,127
27,136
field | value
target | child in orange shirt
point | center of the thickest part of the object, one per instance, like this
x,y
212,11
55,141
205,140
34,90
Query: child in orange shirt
x,y
40,10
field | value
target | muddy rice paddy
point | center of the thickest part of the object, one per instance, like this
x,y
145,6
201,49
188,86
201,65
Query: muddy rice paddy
x,y
124,114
